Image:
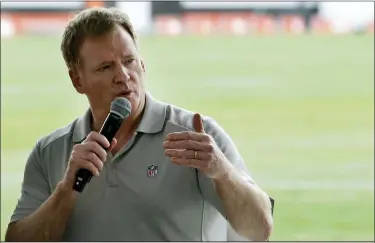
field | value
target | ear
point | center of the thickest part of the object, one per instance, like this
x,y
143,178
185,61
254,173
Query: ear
x,y
143,66
76,80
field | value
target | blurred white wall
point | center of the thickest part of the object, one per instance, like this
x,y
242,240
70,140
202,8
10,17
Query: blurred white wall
x,y
7,28
341,16
344,16
139,13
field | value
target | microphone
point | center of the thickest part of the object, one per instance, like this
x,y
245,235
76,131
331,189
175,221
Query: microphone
x,y
120,109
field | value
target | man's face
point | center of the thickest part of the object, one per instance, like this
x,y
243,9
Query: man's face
x,y
110,67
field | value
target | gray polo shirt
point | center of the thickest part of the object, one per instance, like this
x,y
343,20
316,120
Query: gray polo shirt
x,y
140,195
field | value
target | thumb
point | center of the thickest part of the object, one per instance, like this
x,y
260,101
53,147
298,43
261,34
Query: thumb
x,y
197,123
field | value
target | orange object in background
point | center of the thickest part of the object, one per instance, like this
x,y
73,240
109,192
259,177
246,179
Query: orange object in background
x,y
28,23
293,24
319,26
232,23
95,4
263,24
370,28
198,23
168,25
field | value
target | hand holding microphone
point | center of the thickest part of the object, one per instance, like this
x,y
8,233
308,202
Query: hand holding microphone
x,y
90,155
87,158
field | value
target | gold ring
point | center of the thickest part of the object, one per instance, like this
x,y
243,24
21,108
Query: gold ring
x,y
195,154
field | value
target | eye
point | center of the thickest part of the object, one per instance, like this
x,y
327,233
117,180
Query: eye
x,y
129,61
104,68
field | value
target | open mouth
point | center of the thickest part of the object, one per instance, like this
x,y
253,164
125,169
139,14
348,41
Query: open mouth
x,y
125,93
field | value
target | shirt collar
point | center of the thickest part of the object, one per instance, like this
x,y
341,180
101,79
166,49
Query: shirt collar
x,y
152,121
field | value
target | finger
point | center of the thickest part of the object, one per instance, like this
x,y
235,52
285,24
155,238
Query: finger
x,y
187,144
180,153
94,159
188,136
186,154
84,164
113,144
194,163
197,123
99,138
94,147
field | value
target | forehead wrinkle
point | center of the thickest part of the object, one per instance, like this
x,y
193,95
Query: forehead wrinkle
x,y
117,42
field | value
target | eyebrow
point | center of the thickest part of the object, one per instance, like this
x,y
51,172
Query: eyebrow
x,y
129,56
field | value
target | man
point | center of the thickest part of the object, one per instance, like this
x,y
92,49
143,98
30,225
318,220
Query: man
x,y
169,174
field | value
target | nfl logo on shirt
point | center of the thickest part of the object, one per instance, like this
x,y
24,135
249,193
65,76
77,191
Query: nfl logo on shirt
x,y
152,171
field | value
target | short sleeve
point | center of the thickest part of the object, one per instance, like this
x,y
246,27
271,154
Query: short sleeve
x,y
35,187
228,148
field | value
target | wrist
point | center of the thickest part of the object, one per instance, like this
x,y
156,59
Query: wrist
x,y
225,172
66,190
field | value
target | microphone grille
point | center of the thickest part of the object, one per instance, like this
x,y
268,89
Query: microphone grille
x,y
121,106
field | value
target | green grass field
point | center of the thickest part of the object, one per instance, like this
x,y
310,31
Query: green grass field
x,y
300,109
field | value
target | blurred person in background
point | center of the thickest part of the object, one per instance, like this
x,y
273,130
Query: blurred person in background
x,y
169,174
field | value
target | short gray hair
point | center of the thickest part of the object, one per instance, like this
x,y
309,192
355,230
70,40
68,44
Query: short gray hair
x,y
91,22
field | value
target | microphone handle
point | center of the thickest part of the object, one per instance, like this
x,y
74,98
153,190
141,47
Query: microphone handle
x,y
109,129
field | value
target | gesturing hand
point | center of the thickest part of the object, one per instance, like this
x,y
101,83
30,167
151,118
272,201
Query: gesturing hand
x,y
196,149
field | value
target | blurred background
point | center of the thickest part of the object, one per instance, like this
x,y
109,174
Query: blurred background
x,y
291,82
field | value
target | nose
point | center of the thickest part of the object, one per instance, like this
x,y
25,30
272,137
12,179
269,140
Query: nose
x,y
122,74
